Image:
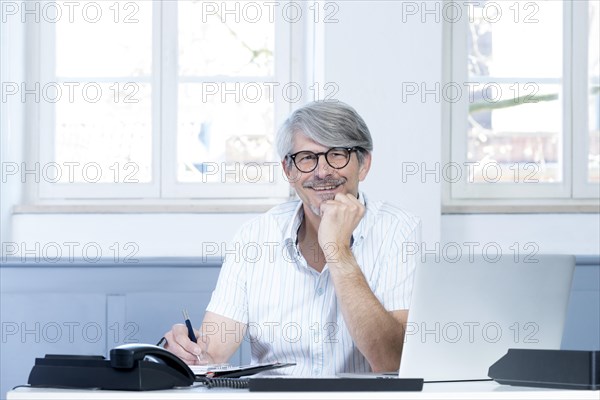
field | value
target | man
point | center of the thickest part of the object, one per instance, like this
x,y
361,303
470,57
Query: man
x,y
328,285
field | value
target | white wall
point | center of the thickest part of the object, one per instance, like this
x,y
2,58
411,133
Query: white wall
x,y
577,234
136,235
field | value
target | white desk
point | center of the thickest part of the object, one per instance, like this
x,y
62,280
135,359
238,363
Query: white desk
x,y
457,390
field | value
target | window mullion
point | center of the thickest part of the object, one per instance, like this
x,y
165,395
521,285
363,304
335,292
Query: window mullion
x,y
569,94
168,55
156,113
579,106
43,40
460,109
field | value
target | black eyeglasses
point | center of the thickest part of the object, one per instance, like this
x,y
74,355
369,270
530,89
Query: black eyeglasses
x,y
336,157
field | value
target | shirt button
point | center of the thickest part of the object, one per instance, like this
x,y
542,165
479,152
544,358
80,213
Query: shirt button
x,y
320,291
316,371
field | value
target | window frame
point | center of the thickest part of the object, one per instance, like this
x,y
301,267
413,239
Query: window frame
x,y
582,188
574,191
163,187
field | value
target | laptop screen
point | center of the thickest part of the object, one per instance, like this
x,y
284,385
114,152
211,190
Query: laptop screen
x,y
465,315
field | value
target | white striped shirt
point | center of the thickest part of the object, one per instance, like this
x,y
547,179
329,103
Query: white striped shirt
x,y
290,309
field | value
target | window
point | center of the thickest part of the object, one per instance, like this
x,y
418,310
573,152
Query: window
x,y
163,99
523,101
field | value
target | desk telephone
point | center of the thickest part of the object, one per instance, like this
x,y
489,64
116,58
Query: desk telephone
x,y
131,367
148,367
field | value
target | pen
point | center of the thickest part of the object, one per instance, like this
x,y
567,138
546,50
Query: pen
x,y
191,334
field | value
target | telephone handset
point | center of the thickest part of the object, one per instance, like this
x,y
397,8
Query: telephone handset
x,y
126,356
131,367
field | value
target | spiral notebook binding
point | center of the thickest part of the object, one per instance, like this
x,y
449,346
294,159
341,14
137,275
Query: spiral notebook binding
x,y
232,383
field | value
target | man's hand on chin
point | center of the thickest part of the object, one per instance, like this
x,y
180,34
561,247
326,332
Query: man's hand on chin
x,y
339,218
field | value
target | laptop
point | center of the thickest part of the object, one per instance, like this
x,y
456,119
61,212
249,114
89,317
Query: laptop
x,y
465,315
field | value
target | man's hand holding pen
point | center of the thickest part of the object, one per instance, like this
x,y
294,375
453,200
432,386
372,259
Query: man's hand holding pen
x,y
182,340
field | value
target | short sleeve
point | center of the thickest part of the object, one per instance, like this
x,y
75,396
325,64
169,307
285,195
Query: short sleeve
x,y
230,297
400,265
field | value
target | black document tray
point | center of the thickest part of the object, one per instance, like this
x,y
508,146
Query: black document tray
x,y
564,369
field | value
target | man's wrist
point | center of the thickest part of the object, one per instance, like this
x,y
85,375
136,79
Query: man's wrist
x,y
346,269
343,262
336,253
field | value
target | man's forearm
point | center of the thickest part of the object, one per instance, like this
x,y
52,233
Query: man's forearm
x,y
376,333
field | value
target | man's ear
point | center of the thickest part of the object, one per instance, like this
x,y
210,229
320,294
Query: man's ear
x,y
290,173
365,167
286,168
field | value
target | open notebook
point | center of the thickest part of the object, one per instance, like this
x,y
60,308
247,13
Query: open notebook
x,y
233,371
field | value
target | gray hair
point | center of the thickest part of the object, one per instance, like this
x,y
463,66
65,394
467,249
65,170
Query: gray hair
x,y
331,124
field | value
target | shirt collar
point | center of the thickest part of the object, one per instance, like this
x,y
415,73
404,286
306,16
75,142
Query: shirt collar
x,y
291,233
361,228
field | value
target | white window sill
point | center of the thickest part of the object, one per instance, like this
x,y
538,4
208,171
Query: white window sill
x,y
522,207
240,207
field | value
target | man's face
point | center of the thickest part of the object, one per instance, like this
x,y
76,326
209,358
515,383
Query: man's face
x,y
325,181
